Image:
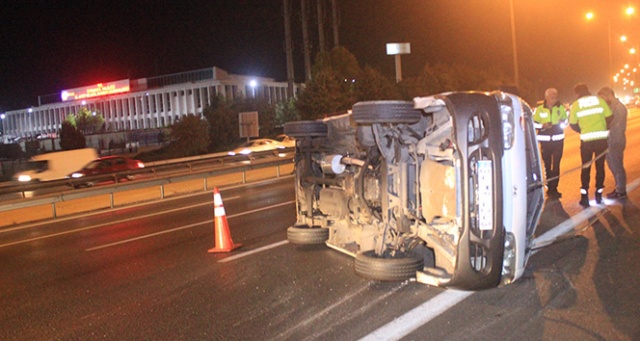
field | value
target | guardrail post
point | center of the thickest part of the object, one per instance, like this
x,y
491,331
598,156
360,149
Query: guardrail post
x,y
205,183
162,191
278,171
111,199
244,177
53,210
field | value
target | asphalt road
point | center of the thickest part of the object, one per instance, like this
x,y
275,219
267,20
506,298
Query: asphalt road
x,y
144,273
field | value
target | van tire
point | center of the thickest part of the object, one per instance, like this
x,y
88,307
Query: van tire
x,y
306,235
372,112
371,266
299,129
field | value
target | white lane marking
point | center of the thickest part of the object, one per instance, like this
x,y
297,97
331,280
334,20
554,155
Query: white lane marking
x,y
99,225
147,236
572,222
131,219
326,311
418,316
184,227
248,253
261,209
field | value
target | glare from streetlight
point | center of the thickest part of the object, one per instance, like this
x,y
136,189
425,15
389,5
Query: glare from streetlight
x,y
630,10
623,38
589,15
632,50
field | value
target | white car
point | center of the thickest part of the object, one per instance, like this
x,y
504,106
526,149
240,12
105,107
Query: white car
x,y
446,189
286,141
258,145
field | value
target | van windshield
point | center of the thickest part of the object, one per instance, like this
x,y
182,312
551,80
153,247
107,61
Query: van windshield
x,y
38,166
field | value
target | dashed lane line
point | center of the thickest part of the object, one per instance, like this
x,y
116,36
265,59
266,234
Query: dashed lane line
x,y
125,241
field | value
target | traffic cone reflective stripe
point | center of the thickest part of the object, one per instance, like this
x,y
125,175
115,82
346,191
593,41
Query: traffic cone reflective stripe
x,y
222,238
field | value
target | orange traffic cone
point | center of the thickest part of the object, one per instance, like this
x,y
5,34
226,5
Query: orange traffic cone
x,y
223,242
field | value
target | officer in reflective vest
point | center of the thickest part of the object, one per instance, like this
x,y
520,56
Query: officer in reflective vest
x,y
590,116
550,119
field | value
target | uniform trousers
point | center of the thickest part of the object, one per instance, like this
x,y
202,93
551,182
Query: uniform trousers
x,y
551,155
588,151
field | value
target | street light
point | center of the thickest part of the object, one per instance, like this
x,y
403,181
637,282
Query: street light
x,y
253,83
590,15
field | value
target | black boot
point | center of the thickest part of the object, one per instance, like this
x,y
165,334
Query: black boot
x,y
584,200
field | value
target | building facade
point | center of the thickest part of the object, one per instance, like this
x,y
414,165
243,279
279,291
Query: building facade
x,y
144,103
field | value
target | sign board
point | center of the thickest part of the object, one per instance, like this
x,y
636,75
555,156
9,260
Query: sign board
x,y
248,124
100,89
398,48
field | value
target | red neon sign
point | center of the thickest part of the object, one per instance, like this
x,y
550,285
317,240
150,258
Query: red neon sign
x,y
100,89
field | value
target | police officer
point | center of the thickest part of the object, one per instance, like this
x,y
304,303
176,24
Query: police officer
x,y
590,116
550,119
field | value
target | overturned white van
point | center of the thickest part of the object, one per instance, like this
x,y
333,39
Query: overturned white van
x,y
446,189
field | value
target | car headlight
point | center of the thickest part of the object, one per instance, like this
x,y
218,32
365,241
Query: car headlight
x,y
232,153
506,111
509,258
245,151
24,178
77,175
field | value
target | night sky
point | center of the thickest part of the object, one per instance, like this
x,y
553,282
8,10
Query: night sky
x,y
48,46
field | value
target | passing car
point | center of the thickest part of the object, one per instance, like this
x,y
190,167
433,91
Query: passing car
x,y
258,145
447,189
286,141
109,167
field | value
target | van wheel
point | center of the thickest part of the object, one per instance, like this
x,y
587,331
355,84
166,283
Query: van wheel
x,y
306,235
399,268
385,112
299,129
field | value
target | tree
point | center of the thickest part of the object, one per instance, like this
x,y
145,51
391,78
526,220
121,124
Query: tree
x,y
222,116
223,124
190,136
86,121
372,85
70,137
286,112
338,83
325,94
442,77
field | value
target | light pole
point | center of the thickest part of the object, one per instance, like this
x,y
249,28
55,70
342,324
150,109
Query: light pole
x,y
590,16
516,73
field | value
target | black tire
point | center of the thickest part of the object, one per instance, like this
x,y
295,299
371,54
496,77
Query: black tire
x,y
298,129
371,266
307,235
385,112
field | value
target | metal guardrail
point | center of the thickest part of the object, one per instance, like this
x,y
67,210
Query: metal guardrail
x,y
111,190
155,167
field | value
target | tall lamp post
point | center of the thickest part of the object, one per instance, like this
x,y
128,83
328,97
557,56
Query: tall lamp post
x,y
516,73
590,16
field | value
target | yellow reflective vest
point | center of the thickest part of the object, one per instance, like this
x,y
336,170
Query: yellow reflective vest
x,y
590,113
557,116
